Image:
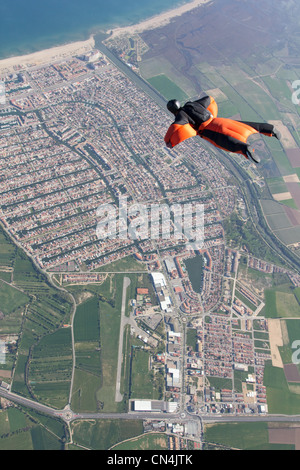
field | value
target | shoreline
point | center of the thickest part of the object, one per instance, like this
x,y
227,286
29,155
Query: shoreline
x,y
17,63
156,21
12,64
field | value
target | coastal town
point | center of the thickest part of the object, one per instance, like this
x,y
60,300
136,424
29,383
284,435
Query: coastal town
x,y
76,135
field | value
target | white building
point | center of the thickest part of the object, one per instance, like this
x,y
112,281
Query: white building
x,y
159,280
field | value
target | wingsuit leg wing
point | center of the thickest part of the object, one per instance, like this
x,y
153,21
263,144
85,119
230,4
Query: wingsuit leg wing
x,y
229,135
232,135
261,127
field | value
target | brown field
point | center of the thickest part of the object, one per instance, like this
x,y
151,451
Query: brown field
x,y
292,373
4,374
289,435
294,189
293,215
294,157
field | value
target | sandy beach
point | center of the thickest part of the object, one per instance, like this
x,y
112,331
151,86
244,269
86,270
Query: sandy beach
x,y
158,20
12,64
46,56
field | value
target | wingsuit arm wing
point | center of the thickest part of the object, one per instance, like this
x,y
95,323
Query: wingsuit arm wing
x,y
177,133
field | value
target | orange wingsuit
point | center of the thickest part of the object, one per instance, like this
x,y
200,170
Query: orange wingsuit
x,y
227,134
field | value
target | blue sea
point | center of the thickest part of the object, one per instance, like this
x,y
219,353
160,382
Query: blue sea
x,y
33,25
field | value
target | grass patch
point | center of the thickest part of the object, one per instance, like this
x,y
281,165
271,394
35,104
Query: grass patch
x,y
191,338
141,376
129,263
279,398
11,298
167,88
103,434
86,322
244,436
155,441
85,389
287,305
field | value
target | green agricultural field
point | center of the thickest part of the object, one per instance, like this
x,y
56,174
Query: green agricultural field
x,y
281,303
7,250
103,434
258,100
191,338
246,109
290,203
109,338
278,221
167,88
293,327
244,436
233,74
127,264
272,207
290,235
279,398
291,330
20,441
227,109
279,157
86,322
84,391
27,430
24,269
50,368
49,372
287,305
153,67
279,89
142,378
87,379
157,441
212,75
277,185
297,294
12,323
11,298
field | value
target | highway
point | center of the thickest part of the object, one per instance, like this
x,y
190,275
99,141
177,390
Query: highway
x,y
68,415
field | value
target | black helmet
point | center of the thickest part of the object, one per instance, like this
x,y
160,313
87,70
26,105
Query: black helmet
x,y
173,106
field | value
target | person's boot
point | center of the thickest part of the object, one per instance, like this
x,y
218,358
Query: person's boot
x,y
255,158
276,133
